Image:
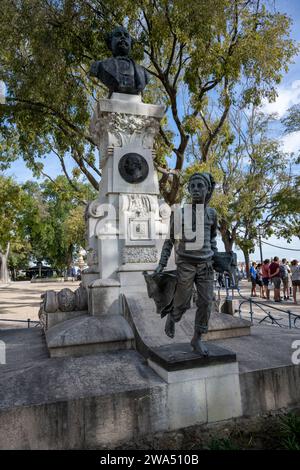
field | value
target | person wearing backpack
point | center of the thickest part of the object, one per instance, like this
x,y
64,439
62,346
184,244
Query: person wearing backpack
x,y
253,276
284,275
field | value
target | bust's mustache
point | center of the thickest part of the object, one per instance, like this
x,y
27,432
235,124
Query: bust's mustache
x,y
123,43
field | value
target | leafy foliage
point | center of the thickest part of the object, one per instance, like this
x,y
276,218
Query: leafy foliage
x,y
290,431
252,171
42,223
203,59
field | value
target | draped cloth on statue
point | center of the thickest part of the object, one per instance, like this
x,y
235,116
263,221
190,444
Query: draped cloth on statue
x,y
161,288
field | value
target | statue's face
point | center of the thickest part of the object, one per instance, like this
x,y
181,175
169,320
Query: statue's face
x,y
198,190
133,165
120,42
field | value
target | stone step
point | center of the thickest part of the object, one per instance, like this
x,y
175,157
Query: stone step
x,y
88,334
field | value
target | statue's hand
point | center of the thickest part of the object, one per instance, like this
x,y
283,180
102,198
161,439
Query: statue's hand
x,y
159,269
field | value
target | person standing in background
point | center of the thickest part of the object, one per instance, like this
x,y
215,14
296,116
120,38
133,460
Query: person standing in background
x,y
284,274
295,270
274,275
259,280
253,275
265,278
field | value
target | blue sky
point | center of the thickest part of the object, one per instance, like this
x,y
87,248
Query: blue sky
x,y
288,94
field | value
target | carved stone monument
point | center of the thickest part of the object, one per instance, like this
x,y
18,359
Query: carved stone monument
x,y
124,222
149,382
125,225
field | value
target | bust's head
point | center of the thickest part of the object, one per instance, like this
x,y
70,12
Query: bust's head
x,y
201,186
133,165
119,41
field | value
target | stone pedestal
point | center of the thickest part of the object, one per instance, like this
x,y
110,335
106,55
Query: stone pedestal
x,y
230,306
87,335
200,389
104,297
124,223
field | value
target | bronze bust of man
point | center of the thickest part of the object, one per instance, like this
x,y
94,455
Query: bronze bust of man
x,y
120,73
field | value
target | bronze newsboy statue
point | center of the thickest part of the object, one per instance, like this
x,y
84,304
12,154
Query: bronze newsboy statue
x,y
196,262
120,73
194,266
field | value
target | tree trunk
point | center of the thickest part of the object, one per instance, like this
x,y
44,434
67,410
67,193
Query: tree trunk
x,y
4,276
227,237
70,257
228,242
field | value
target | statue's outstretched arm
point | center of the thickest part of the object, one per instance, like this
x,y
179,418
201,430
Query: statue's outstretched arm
x,y
167,247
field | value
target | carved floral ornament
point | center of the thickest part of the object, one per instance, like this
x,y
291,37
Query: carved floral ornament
x,y
120,129
64,301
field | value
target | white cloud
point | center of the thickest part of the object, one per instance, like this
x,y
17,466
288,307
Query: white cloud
x,y
287,97
291,142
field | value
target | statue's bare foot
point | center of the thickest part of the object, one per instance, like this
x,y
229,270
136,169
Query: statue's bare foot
x,y
198,346
170,327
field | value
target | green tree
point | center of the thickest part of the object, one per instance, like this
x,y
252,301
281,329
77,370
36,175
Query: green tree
x,y
251,170
288,200
204,57
55,221
41,222
13,245
287,203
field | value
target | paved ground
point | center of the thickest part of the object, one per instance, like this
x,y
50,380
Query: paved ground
x,y
21,300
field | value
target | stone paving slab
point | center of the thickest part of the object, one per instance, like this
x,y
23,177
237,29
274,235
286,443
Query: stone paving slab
x,y
31,377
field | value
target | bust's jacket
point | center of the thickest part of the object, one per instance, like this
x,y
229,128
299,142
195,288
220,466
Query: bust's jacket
x,y
108,72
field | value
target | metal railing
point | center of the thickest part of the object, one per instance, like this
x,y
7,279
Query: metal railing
x,y
292,318
28,321
263,306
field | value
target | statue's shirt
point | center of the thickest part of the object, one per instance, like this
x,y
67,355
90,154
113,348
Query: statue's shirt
x,y
199,254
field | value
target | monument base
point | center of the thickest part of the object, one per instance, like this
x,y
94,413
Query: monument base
x,y
102,400
200,388
89,335
230,306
